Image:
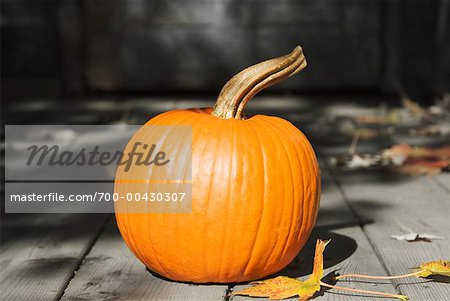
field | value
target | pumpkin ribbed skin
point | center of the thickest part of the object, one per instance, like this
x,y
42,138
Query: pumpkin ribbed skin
x,y
255,198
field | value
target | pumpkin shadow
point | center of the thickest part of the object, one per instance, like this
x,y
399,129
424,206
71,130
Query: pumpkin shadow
x,y
341,248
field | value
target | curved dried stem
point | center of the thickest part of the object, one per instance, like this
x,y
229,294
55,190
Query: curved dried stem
x,y
247,83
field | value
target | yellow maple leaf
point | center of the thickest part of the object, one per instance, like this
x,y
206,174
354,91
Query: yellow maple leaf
x,y
284,287
438,267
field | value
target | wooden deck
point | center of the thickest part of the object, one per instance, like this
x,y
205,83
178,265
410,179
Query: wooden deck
x,y
82,257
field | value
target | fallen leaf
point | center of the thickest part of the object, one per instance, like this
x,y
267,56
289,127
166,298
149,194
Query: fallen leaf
x,y
414,108
366,133
284,287
383,119
416,170
430,152
411,236
348,127
355,161
442,107
442,129
370,119
428,163
408,236
397,154
438,267
400,158
414,160
358,161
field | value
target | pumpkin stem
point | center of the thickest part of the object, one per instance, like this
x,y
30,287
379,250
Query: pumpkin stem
x,y
247,83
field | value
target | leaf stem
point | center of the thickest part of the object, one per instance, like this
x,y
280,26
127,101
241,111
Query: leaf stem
x,y
401,297
378,277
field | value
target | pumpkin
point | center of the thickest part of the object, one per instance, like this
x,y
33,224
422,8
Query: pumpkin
x,y
255,189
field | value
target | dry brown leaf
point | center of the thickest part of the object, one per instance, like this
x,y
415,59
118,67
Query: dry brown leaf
x,y
442,129
409,160
414,108
397,154
370,119
391,118
416,170
366,133
438,152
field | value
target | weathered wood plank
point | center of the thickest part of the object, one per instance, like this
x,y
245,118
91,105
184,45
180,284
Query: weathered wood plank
x,y
70,29
166,45
40,253
392,71
112,272
30,48
348,252
56,111
395,203
444,180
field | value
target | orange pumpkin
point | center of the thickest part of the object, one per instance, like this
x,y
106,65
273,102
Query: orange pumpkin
x,y
255,189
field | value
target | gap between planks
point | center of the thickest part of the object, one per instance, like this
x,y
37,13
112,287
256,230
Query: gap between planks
x,y
390,201
85,253
40,253
112,272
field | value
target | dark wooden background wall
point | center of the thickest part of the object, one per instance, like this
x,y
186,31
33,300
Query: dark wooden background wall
x,y
119,46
